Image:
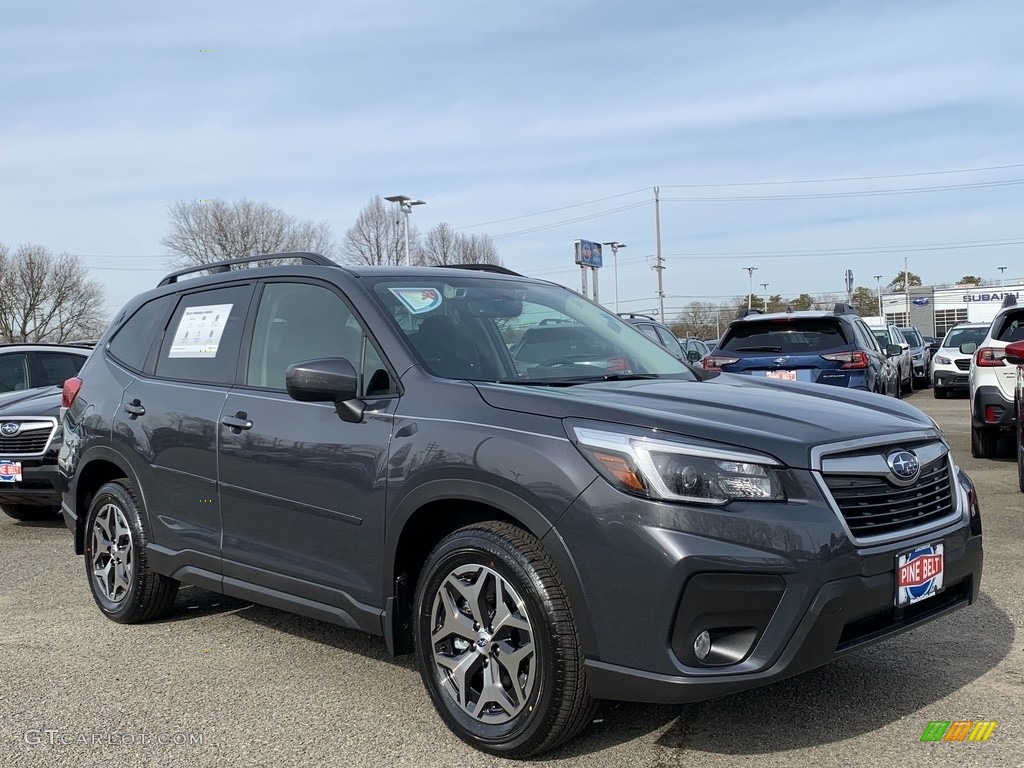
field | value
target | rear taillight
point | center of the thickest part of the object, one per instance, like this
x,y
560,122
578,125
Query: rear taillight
x,y
986,357
70,391
715,362
855,359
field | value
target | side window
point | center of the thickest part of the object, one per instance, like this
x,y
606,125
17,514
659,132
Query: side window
x,y
648,330
302,321
666,338
202,339
1012,328
56,367
865,338
134,340
13,372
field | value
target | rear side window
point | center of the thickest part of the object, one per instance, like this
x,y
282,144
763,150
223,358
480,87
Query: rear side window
x,y
57,367
202,340
134,340
13,372
786,336
1011,327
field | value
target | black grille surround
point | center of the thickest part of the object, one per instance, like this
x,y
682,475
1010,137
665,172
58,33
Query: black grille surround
x,y
28,442
963,364
872,506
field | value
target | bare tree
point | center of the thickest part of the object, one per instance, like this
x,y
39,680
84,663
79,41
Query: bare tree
x,y
443,245
700,319
378,236
47,298
205,232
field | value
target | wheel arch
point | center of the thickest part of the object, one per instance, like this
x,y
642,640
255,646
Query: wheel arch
x,y
98,467
436,509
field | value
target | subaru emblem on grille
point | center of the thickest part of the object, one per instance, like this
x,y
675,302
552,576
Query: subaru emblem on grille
x,y
779,361
904,465
9,428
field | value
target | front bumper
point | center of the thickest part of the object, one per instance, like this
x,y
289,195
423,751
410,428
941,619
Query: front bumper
x,y
955,381
788,572
39,486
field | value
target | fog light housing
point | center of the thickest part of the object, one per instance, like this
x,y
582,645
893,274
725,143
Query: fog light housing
x,y
702,645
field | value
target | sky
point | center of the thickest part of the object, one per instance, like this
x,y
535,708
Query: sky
x,y
538,123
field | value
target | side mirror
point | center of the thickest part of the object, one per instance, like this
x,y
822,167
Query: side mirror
x,y
1015,353
693,356
326,380
893,350
969,348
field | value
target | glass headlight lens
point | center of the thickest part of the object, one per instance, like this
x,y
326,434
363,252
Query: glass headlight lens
x,y
942,360
671,471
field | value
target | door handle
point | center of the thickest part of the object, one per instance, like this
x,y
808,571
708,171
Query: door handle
x,y
135,408
239,421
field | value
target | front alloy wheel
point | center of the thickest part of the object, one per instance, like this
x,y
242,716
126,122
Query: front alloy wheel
x,y
497,645
482,644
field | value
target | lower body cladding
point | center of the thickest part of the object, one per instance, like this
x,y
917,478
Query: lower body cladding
x,y
690,603
993,410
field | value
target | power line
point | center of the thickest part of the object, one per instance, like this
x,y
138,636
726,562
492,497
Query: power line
x,y
864,251
847,178
566,222
553,210
835,195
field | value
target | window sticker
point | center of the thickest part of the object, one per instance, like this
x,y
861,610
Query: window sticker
x,y
199,331
418,300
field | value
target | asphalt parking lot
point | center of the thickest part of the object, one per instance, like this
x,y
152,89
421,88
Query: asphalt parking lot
x,y
227,683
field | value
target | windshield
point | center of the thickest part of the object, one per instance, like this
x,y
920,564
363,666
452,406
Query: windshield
x,y
487,329
958,336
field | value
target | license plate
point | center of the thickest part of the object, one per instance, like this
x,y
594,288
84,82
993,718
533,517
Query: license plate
x,y
784,375
10,471
919,574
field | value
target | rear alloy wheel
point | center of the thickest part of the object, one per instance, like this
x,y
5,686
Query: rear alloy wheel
x,y
122,584
983,443
497,646
27,513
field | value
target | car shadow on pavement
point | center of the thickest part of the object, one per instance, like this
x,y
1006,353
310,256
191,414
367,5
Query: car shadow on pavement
x,y
853,695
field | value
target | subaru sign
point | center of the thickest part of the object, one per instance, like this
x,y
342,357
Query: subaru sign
x,y
920,301
588,254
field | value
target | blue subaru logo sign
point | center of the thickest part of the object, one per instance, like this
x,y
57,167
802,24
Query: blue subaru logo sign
x,y
920,301
9,428
903,465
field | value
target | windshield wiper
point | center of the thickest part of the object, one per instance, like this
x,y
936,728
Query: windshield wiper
x,y
570,382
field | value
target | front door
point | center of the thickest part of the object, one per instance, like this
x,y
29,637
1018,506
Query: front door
x,y
303,492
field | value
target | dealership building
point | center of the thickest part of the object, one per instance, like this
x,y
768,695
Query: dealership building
x,y
933,310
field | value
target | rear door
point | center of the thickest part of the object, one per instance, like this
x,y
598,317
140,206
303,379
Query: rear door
x,y
169,417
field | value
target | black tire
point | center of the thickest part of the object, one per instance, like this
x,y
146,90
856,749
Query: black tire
x,y
983,443
939,393
555,705
1020,463
27,513
140,594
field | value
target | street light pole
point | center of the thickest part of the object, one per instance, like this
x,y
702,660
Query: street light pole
x,y
615,245
878,281
1002,281
750,285
405,204
765,286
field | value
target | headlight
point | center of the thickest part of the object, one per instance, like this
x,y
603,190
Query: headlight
x,y
677,471
942,360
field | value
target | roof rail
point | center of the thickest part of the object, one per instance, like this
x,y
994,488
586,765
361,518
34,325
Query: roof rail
x,y
747,312
216,267
635,315
482,268
1010,300
844,309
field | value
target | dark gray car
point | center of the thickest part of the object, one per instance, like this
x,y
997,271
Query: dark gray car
x,y
30,438
589,518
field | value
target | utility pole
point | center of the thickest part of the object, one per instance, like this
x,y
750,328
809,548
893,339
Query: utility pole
x,y
750,286
765,286
878,281
906,288
659,261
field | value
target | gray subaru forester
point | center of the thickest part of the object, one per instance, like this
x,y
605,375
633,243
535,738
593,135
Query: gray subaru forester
x,y
499,475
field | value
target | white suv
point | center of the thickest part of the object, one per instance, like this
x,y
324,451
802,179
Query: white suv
x,y
950,367
992,381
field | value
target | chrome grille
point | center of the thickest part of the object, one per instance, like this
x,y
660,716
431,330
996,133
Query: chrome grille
x,y
963,364
28,441
872,506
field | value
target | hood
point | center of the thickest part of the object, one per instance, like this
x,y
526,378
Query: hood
x,y
43,401
782,419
